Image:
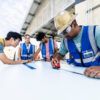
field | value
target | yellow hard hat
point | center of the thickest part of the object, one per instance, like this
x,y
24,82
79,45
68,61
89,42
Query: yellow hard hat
x,y
63,20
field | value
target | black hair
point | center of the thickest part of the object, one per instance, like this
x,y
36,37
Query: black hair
x,y
40,36
13,35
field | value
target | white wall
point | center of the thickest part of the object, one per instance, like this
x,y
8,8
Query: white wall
x,y
91,18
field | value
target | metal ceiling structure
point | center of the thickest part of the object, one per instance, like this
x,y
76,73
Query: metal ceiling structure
x,y
30,16
78,1
49,27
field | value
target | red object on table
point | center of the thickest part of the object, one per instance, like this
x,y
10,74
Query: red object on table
x,y
57,65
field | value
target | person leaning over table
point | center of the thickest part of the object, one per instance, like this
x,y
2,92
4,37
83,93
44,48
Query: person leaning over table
x,y
82,42
48,46
12,39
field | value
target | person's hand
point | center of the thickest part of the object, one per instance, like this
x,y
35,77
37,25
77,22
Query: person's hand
x,y
19,61
37,58
24,61
55,63
29,61
48,60
93,72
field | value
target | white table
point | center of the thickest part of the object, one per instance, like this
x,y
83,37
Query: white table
x,y
17,82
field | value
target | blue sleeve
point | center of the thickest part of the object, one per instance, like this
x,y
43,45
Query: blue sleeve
x,y
63,50
1,48
97,36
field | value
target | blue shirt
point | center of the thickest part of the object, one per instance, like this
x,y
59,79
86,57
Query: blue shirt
x,y
77,40
1,45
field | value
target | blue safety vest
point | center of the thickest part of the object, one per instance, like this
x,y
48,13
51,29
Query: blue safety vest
x,y
25,53
51,48
90,53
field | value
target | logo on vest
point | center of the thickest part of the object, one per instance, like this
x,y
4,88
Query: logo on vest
x,y
88,53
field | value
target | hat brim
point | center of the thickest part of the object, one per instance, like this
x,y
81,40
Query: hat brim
x,y
65,26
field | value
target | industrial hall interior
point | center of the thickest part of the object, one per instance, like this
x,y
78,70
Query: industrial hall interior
x,y
49,49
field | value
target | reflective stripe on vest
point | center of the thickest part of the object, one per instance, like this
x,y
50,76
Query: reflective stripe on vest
x,y
27,54
51,48
92,38
88,48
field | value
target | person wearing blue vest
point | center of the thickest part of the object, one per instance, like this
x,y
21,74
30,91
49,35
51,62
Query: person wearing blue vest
x,y
26,50
47,46
82,42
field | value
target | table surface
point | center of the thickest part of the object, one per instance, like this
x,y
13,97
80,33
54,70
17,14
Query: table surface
x,y
18,82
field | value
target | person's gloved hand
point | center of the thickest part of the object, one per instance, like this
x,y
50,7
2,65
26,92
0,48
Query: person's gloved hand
x,y
93,72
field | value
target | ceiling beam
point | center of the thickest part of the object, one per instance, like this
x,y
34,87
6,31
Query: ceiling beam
x,y
78,1
93,8
27,23
36,2
31,14
24,29
54,30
